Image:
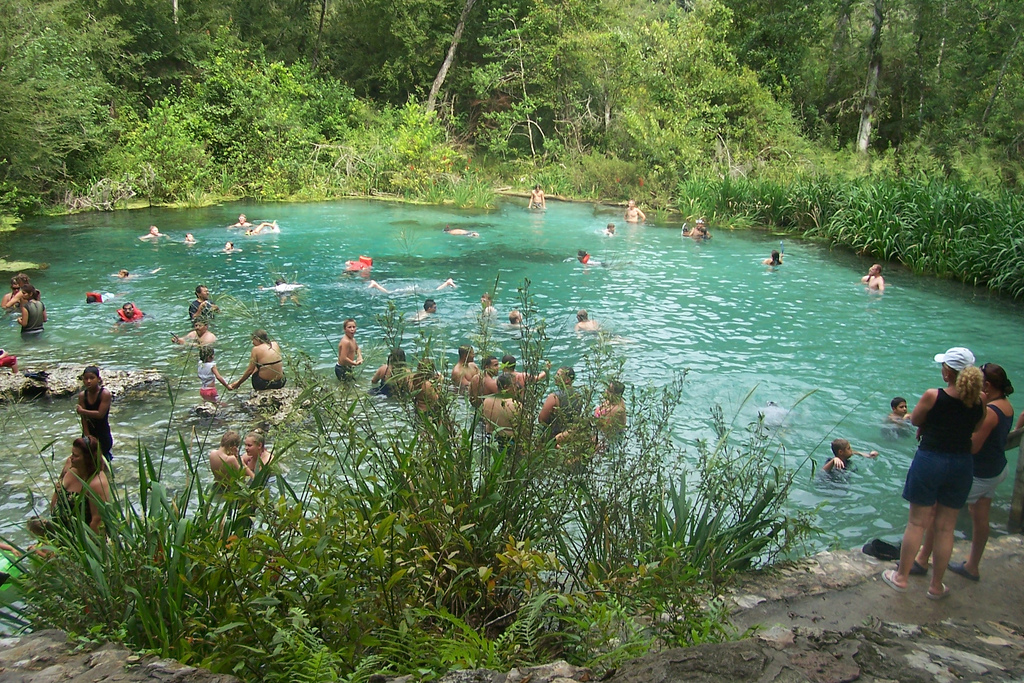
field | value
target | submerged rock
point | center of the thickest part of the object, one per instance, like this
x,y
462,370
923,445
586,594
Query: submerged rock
x,y
273,406
63,380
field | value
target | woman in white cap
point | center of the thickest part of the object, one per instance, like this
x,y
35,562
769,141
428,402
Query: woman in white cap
x,y
989,445
942,471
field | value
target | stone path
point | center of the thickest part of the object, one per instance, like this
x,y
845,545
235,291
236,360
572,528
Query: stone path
x,y
47,657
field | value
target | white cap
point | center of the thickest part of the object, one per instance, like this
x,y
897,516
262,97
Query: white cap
x,y
957,358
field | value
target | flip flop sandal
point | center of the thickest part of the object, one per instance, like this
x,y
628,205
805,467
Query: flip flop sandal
x,y
889,577
915,569
938,596
961,569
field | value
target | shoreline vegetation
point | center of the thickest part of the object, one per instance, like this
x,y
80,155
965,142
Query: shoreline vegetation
x,y
413,544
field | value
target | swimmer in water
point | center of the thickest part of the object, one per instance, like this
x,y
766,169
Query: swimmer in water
x,y
537,198
409,290
123,274
189,238
584,323
263,227
459,231
229,248
583,256
775,260
874,279
698,232
487,306
842,451
429,309
515,319
153,235
610,230
285,291
633,213
243,222
899,412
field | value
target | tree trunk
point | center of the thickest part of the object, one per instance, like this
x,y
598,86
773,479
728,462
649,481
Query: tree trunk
x,y
450,57
871,86
174,11
839,39
999,78
319,33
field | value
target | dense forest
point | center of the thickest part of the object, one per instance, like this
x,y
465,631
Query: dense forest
x,y
186,100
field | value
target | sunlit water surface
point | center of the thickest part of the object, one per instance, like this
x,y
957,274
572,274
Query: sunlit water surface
x,y
808,327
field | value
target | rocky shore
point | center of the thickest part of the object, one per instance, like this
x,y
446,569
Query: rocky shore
x,y
824,619
62,380
263,408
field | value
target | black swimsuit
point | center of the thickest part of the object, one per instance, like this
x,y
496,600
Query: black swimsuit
x,y
260,384
99,427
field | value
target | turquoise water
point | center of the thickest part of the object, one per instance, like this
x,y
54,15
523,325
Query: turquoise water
x,y
808,327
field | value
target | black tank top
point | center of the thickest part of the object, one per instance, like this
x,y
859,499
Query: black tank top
x,y
99,427
948,426
991,459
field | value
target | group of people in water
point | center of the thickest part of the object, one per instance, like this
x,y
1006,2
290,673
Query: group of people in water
x,y
962,426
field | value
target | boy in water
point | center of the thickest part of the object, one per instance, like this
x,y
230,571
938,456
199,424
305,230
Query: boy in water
x,y
899,411
841,454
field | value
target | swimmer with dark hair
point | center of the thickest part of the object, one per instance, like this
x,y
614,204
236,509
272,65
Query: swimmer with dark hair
x,y
583,256
459,231
775,260
899,411
429,309
609,230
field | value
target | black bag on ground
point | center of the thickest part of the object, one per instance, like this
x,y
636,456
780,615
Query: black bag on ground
x,y
882,550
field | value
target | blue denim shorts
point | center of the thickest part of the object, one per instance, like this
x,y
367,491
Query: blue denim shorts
x,y
943,478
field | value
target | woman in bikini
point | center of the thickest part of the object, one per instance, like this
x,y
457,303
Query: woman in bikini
x,y
266,366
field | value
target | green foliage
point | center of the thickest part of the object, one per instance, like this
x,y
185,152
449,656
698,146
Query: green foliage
x,y
53,109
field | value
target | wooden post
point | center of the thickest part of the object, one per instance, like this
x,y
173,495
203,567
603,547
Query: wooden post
x,y
1017,504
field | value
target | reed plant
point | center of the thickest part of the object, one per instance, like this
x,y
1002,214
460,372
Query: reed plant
x,y
408,542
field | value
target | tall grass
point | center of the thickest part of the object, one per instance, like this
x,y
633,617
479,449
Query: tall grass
x,y
413,544
933,227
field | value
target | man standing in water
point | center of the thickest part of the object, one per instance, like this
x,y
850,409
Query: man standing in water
x,y
349,353
500,412
465,370
202,307
537,198
633,213
874,279
484,383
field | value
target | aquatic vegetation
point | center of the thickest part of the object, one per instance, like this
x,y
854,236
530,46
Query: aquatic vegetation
x,y
414,544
